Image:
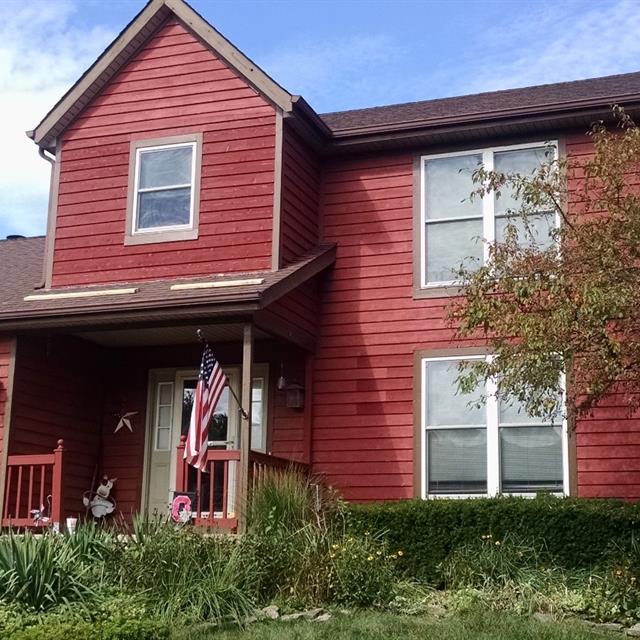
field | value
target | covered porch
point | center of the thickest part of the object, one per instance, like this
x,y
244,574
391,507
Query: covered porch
x,y
117,404
97,396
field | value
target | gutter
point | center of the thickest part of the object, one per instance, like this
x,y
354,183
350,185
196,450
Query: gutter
x,y
52,161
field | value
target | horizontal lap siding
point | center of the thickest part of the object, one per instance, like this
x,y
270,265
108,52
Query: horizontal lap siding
x,y
369,328
58,394
608,440
287,426
300,193
6,356
173,86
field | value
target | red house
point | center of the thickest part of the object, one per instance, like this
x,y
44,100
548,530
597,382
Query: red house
x,y
190,191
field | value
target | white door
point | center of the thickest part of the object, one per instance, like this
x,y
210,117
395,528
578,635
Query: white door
x,y
172,399
172,396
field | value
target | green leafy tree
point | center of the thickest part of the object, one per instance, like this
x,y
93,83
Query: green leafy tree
x,y
566,307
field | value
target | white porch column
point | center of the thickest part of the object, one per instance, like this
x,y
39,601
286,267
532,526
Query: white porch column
x,y
245,426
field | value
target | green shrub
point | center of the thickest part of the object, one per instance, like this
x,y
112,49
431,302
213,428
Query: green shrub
x,y
300,551
490,561
576,533
83,630
42,572
363,572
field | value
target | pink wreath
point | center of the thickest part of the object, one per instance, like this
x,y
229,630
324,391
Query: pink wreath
x,y
179,504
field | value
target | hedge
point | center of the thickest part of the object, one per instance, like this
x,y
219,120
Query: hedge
x,y
578,533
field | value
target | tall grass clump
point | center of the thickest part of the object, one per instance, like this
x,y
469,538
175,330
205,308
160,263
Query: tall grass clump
x,y
42,572
181,573
300,551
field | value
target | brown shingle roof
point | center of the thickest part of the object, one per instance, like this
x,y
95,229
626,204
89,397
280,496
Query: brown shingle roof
x,y
605,91
21,268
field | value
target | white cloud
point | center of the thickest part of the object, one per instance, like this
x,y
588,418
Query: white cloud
x,y
42,52
579,40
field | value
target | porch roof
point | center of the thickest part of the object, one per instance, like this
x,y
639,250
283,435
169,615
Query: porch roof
x,y
215,295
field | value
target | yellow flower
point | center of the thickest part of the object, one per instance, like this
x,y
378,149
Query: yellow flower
x,y
400,553
497,543
332,555
618,572
335,546
370,558
393,557
378,553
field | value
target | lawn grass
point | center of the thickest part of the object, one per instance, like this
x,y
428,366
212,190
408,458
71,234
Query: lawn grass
x,y
385,626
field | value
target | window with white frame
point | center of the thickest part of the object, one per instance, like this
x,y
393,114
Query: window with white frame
x,y
470,447
456,228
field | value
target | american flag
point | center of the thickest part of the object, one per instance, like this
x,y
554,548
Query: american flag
x,y
211,383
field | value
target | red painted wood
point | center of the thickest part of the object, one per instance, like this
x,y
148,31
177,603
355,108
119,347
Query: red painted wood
x,y
5,356
299,221
44,491
173,85
58,394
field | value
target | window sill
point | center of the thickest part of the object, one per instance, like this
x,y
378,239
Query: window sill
x,y
155,237
438,291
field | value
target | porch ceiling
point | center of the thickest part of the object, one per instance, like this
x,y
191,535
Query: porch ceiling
x,y
158,336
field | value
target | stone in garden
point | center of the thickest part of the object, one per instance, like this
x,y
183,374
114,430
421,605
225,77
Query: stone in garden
x,y
290,617
607,626
310,614
272,612
324,617
634,631
543,617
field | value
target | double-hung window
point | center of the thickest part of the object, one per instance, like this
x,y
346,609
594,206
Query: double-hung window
x,y
470,447
455,228
163,190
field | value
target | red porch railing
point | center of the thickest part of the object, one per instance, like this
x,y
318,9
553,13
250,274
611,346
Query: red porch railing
x,y
262,463
215,487
33,493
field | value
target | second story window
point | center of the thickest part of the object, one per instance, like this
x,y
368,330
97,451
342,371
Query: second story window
x,y
163,190
455,228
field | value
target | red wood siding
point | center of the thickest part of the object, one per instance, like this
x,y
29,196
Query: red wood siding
x,y
6,350
286,426
173,85
607,442
57,393
369,328
299,223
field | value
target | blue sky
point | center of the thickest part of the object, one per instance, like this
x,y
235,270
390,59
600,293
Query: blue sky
x,y
338,55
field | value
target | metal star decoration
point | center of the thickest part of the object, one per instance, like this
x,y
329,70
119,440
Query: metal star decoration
x,y
125,420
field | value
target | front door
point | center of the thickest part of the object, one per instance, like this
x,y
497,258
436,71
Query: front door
x,y
171,412
171,399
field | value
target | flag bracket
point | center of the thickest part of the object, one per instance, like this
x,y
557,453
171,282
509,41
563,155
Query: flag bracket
x,y
243,413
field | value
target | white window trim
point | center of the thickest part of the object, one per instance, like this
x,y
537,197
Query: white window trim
x,y
493,438
488,203
136,190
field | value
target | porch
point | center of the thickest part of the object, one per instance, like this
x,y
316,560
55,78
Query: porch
x,y
116,404
34,494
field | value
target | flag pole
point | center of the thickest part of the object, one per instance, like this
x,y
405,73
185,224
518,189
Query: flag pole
x,y
244,414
